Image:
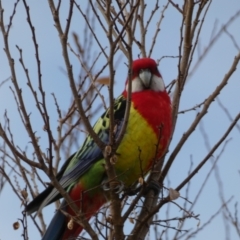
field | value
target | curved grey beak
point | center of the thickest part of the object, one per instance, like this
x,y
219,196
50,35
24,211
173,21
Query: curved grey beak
x,y
146,77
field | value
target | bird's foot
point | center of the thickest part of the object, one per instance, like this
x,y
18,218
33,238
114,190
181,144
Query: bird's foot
x,y
117,186
152,185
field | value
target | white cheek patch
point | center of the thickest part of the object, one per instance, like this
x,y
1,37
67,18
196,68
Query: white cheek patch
x,y
157,84
136,85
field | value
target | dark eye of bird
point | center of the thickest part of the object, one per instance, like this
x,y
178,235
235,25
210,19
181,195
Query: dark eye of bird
x,y
130,72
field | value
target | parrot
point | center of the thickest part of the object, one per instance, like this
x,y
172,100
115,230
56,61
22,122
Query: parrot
x,y
146,138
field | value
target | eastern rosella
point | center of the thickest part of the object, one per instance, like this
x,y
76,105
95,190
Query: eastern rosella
x,y
145,140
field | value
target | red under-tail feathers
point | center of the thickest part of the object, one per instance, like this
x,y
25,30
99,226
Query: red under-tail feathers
x,y
57,229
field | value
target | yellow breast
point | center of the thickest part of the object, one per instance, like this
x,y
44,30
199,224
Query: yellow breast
x,y
137,149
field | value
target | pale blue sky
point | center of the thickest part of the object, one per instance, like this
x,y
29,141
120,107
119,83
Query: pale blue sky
x,y
202,83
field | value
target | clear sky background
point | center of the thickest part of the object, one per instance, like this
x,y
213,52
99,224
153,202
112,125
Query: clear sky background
x,y
200,85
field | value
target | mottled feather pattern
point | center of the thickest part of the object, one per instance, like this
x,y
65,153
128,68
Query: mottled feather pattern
x,y
89,153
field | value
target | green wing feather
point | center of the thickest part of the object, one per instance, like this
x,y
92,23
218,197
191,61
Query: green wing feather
x,y
82,160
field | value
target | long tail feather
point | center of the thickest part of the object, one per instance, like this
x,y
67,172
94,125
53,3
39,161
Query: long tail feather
x,y
36,203
56,228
